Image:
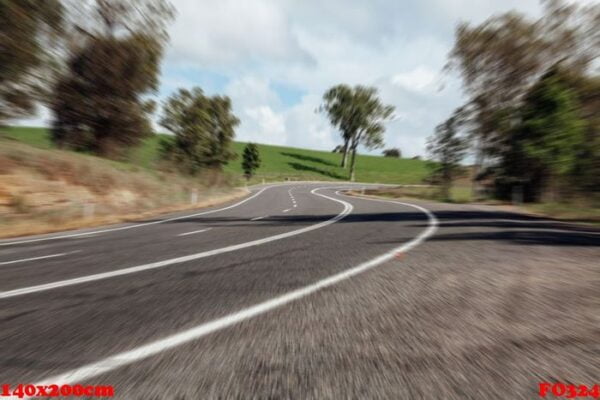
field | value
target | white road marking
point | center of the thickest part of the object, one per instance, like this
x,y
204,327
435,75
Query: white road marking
x,y
140,353
288,210
192,232
38,258
71,235
160,264
258,218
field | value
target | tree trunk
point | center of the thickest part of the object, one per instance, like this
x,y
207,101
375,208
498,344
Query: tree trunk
x,y
475,187
345,155
446,184
352,162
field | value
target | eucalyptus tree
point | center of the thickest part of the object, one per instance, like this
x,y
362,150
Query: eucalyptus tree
x,y
203,129
29,34
447,149
500,59
113,62
336,101
360,115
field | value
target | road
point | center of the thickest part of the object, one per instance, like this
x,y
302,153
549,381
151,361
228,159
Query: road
x,y
300,291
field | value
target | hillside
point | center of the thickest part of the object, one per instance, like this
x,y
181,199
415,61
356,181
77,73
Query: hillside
x,y
278,162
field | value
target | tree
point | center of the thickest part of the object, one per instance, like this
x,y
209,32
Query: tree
x,y
203,128
336,106
250,160
500,59
29,30
360,116
393,152
551,129
447,149
113,63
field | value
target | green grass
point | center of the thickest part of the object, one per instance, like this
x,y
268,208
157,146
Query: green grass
x,y
278,163
458,194
567,211
37,137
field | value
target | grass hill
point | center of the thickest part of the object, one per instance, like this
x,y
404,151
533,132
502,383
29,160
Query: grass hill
x,y
278,163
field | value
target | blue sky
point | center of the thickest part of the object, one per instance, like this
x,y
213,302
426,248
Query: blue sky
x,y
275,59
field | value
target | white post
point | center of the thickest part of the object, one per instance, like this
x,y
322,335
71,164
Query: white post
x,y
88,210
194,196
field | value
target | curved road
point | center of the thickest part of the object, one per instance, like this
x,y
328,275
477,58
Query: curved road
x,y
262,299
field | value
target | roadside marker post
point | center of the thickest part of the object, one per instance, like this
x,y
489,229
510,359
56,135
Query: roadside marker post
x,y
88,210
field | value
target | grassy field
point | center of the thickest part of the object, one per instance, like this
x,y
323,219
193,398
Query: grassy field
x,y
278,163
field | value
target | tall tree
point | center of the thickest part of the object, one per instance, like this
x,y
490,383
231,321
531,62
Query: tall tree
x,y
360,115
250,160
336,107
447,148
203,128
551,129
114,52
500,59
29,30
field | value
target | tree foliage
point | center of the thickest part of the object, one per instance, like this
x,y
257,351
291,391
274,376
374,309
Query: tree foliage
x,y
393,152
360,115
447,148
203,128
28,29
250,160
550,127
114,52
500,61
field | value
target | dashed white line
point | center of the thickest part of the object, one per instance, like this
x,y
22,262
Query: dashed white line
x,y
38,258
161,264
140,353
193,232
288,210
258,218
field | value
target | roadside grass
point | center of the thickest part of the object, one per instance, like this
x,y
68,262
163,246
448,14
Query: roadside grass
x,y
45,190
278,162
458,194
577,210
37,137
567,211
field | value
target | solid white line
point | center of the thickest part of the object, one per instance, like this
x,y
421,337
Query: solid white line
x,y
38,258
128,357
160,264
258,218
191,233
136,225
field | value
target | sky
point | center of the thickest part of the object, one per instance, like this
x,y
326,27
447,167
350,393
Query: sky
x,y
276,58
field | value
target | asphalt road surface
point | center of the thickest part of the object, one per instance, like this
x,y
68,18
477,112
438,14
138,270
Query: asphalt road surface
x,y
300,291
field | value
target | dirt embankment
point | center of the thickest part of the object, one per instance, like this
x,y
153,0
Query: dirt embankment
x,y
49,190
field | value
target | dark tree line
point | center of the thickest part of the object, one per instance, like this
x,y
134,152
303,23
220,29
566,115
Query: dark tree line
x,y
531,120
95,64
28,28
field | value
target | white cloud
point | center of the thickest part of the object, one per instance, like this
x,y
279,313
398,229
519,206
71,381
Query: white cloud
x,y
248,91
418,79
226,32
263,125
